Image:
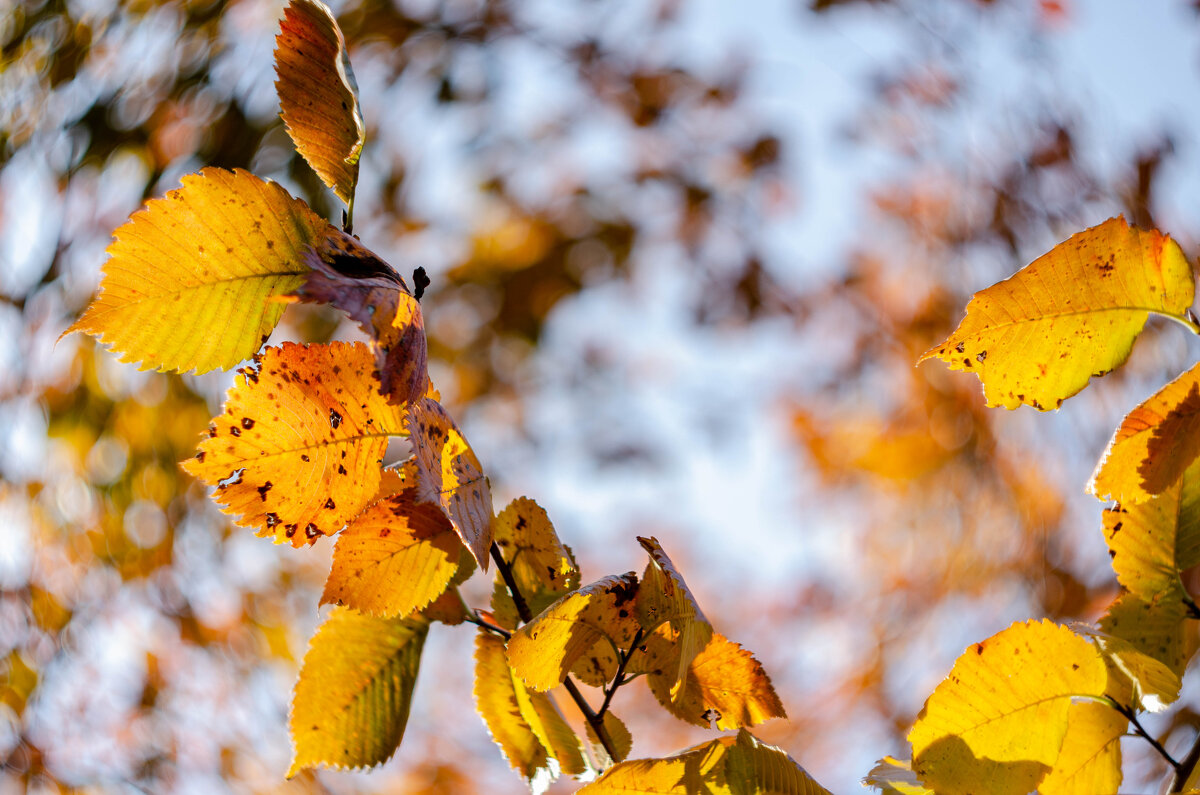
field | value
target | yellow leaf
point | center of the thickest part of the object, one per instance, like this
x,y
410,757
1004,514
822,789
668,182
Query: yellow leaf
x,y
544,650
527,726
297,450
618,735
1156,442
664,597
1038,337
725,685
396,557
1156,628
449,475
542,566
355,689
895,777
752,768
347,275
318,94
1090,760
189,276
1002,713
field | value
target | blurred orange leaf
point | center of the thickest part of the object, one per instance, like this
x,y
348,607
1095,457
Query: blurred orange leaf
x,y
1154,445
352,700
189,276
318,95
1039,336
296,452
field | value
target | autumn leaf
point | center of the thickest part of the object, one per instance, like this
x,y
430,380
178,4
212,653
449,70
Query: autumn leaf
x,y
1090,760
545,649
1158,627
526,725
351,702
1136,678
1038,337
725,685
738,765
449,475
350,277
296,452
188,279
617,733
895,777
664,597
1156,442
394,558
318,95
542,566
1003,712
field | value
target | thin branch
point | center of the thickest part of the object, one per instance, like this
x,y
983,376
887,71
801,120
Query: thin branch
x,y
619,679
1186,766
589,714
1141,732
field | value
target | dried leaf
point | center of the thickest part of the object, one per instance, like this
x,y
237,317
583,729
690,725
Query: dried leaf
x,y
1002,714
1090,760
347,275
297,450
318,94
1038,337
1156,442
189,276
725,685
449,475
664,597
355,689
544,650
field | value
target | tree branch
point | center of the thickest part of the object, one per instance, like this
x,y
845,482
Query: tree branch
x,y
1155,744
1185,768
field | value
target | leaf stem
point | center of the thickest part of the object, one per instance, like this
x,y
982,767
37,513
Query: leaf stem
x,y
1187,320
1141,732
594,720
619,679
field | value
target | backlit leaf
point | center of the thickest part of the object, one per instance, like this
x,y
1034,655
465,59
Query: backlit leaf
x,y
1156,442
725,685
1156,628
449,475
1002,713
394,558
542,566
1090,760
618,735
753,768
347,275
296,452
544,650
895,777
351,702
318,95
189,276
664,597
1038,337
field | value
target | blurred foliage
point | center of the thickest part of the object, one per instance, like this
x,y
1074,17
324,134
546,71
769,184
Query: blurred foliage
x,y
145,642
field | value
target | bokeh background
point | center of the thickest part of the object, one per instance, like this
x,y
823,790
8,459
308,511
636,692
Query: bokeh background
x,y
684,255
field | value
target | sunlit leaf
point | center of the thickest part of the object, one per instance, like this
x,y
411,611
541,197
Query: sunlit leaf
x,y
544,650
296,452
1002,713
1156,442
351,702
895,777
725,685
318,94
753,768
189,276
1090,760
347,275
664,597
449,475
542,566
1038,337
618,735
1156,627
395,557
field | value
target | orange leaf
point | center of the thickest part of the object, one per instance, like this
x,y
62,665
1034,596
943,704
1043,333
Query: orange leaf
x,y
318,94
297,450
348,276
189,276
449,475
1154,445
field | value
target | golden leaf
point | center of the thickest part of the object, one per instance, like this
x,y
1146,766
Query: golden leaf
x,y
1090,760
542,566
318,95
895,777
449,475
297,450
1039,336
394,558
1156,442
1156,628
725,685
664,597
355,688
617,733
1002,713
544,650
189,276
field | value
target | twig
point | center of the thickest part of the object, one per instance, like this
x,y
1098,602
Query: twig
x,y
1155,744
1186,766
619,679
